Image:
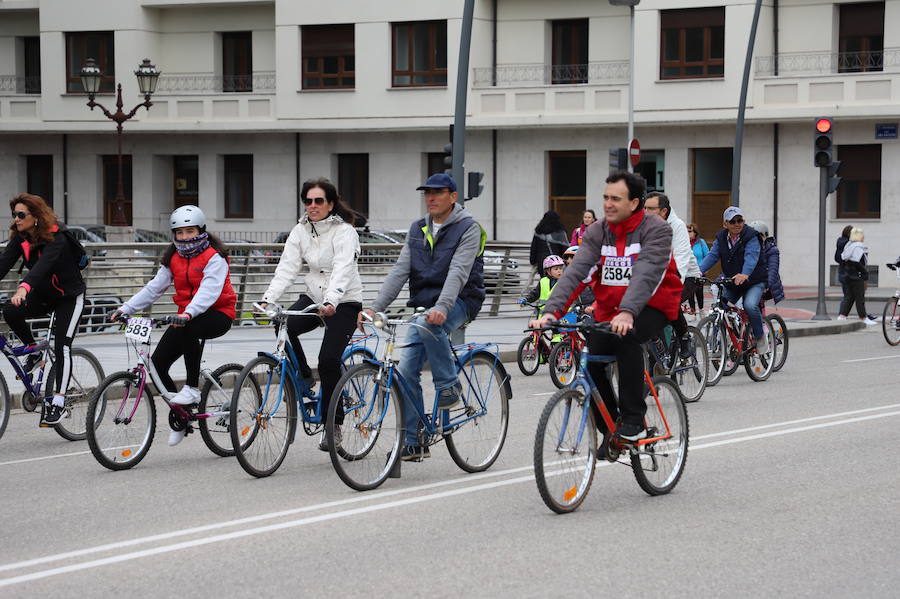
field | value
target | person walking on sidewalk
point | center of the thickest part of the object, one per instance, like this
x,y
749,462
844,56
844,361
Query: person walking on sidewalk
x,y
197,264
855,261
549,239
700,249
326,240
588,218
443,260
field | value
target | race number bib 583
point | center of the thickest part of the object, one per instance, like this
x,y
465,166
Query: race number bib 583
x,y
138,329
616,271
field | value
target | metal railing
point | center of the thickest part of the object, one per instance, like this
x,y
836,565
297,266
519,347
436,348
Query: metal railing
x,y
118,270
826,63
13,84
539,74
203,83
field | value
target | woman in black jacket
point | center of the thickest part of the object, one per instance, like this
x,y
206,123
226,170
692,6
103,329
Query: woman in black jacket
x,y
549,239
53,284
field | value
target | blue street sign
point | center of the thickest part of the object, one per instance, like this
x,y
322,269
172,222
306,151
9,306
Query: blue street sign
x,y
886,131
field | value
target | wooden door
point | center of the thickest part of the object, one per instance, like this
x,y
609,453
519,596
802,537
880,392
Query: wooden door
x,y
568,186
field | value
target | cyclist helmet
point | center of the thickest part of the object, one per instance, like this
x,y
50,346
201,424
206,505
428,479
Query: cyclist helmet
x,y
187,216
760,227
553,260
571,251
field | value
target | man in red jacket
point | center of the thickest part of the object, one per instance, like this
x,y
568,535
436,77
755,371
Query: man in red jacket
x,y
627,259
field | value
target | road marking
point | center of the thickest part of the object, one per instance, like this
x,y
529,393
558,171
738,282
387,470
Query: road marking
x,y
870,359
334,515
46,457
541,394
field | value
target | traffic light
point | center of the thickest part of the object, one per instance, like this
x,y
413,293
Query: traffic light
x,y
823,147
448,154
474,184
833,179
618,159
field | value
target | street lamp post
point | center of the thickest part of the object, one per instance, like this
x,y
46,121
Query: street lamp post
x,y
147,76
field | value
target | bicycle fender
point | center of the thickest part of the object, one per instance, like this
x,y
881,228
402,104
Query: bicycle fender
x,y
504,376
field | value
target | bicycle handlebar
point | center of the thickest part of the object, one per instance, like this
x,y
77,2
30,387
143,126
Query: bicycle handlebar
x,y
584,327
275,311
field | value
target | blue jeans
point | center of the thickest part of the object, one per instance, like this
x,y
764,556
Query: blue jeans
x,y
751,295
436,350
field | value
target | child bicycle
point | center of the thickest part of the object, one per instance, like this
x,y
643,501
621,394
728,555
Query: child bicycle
x,y
367,442
121,417
535,348
565,444
269,392
86,374
730,341
564,355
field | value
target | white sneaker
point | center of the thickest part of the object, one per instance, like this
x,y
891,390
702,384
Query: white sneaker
x,y
762,345
188,396
175,437
869,322
841,317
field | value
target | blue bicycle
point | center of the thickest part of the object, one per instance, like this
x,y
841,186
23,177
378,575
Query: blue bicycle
x,y
269,393
365,428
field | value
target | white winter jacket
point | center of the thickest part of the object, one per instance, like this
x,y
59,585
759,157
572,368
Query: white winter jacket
x,y
685,259
330,247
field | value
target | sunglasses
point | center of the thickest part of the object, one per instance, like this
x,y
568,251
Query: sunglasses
x,y
736,220
318,201
21,215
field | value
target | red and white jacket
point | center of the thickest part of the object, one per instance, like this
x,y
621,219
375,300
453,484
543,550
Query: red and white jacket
x,y
628,264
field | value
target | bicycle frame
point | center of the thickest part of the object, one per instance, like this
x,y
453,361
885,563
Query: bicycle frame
x,y
13,353
722,308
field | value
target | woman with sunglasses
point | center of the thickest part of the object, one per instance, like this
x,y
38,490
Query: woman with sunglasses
x,y
326,240
196,264
53,284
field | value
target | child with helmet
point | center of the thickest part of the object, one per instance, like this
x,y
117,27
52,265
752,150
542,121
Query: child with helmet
x,y
553,270
197,263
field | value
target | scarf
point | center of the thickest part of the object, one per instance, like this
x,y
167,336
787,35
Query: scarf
x,y
189,248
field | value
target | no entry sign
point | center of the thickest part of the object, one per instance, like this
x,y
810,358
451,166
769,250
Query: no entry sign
x,y
634,152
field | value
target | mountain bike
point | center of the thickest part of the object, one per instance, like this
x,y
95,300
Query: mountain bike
x,y
535,348
86,374
890,315
782,340
729,339
269,393
565,444
689,374
367,442
121,417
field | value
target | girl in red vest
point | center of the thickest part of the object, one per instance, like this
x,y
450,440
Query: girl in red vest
x,y
197,263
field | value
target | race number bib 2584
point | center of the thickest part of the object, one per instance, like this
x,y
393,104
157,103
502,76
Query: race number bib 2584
x,y
616,271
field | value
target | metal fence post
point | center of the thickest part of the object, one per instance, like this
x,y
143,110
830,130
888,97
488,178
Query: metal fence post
x,y
243,288
501,283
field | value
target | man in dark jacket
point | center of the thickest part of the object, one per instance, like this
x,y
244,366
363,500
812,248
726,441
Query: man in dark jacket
x,y
740,252
444,264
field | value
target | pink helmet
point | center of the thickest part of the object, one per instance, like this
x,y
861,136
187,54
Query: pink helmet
x,y
553,260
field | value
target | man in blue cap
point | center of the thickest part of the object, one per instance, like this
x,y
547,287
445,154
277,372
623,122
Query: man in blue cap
x,y
443,262
738,248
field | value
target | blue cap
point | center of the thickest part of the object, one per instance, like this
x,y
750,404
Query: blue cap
x,y
438,181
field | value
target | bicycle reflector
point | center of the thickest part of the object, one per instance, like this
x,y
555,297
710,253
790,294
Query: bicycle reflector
x,y
823,147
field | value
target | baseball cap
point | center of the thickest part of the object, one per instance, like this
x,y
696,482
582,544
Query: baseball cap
x,y
731,212
438,181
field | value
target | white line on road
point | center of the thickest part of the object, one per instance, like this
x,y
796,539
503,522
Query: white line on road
x,y
333,515
46,457
870,359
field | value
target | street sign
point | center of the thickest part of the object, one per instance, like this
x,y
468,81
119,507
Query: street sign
x,y
885,130
634,152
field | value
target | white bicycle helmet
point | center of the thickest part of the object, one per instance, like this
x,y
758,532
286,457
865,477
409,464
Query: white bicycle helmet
x,y
760,227
553,260
187,216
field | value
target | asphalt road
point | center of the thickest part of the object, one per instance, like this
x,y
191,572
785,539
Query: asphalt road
x,y
791,489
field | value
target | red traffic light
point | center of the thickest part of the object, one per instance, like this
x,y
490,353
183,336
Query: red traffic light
x,y
823,125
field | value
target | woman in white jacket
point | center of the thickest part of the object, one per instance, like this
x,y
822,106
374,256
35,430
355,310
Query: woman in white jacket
x,y
326,240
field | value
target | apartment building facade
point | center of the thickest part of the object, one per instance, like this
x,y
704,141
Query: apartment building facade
x,y
258,95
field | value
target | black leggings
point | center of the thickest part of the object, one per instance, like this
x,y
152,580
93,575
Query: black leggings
x,y
185,341
629,355
856,293
338,331
67,311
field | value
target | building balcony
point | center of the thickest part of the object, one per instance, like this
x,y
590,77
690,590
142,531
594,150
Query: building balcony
x,y
20,98
213,97
13,84
525,93
845,84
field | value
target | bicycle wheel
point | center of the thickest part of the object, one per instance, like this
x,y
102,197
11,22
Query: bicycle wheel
x,y
692,373
355,357
263,416
658,465
759,366
120,423
717,348
476,443
5,404
890,321
87,373
563,362
371,427
565,451
528,356
781,340
216,431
